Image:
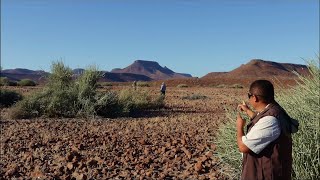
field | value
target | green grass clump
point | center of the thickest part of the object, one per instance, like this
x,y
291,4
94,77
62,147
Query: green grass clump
x,y
8,97
236,86
108,105
143,84
4,81
26,82
64,96
194,97
85,89
302,102
133,101
182,86
221,86
109,84
31,106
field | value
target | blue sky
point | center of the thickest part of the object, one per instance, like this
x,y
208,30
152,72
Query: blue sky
x,y
187,36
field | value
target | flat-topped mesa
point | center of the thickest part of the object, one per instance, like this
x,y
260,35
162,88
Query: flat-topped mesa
x,y
151,69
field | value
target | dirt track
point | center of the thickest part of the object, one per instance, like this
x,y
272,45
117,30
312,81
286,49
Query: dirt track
x,y
173,143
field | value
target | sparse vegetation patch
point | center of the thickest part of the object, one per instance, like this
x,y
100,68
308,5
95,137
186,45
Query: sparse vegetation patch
x,y
9,97
65,97
236,86
4,81
182,86
26,82
143,84
195,97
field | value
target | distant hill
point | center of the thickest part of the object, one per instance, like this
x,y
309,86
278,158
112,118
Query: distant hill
x,y
150,69
258,68
124,77
142,70
19,73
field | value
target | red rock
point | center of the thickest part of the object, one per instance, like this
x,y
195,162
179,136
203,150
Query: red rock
x,y
69,165
188,154
209,154
213,147
12,170
142,141
203,158
198,166
148,173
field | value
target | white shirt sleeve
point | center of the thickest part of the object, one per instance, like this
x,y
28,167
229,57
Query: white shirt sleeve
x,y
266,130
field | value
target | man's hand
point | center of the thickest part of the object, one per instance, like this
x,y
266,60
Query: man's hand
x,y
244,107
240,122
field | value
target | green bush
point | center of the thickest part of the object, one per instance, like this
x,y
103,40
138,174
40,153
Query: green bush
x,y
142,84
194,97
221,86
4,81
301,103
237,86
26,82
8,97
132,101
108,105
182,86
60,77
32,106
106,84
60,103
86,90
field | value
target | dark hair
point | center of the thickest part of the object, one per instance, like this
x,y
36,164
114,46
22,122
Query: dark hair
x,y
263,89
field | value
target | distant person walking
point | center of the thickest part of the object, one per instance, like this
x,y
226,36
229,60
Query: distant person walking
x,y
267,146
134,85
163,89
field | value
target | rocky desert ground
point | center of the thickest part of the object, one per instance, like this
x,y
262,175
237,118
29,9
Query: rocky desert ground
x,y
175,142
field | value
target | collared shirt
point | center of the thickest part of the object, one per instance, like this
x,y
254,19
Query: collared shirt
x,y
266,130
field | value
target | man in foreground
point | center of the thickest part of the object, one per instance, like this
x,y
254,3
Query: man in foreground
x,y
267,146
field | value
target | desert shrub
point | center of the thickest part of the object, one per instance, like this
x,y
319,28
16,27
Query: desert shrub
x,y
182,86
9,97
65,97
26,82
143,84
85,87
60,77
194,97
301,103
57,99
4,81
31,106
60,103
132,101
158,102
106,84
236,86
221,86
108,105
